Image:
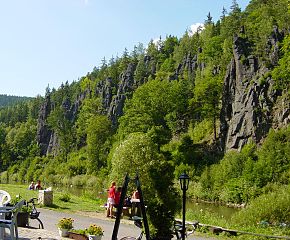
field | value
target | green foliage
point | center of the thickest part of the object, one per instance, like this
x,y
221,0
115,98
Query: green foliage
x,y
281,73
98,131
6,100
207,95
65,223
65,197
261,16
242,176
271,207
170,121
59,121
156,103
274,157
138,154
201,131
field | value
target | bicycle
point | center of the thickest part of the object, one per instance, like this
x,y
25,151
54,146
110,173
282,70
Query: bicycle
x,y
34,220
138,222
189,228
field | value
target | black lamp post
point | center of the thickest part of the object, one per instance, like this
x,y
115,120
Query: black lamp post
x,y
184,181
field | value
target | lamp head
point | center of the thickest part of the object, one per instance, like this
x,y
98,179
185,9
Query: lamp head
x,y
184,181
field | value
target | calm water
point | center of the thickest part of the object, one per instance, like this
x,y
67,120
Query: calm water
x,y
220,210
217,209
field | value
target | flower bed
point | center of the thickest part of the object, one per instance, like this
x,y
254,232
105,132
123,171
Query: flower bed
x,y
78,236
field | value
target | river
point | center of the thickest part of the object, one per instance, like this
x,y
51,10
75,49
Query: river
x,y
217,209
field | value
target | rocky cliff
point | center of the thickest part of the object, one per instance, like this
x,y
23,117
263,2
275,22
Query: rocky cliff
x,y
249,97
250,103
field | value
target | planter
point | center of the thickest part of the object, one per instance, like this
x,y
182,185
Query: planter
x,y
63,232
77,236
22,219
95,237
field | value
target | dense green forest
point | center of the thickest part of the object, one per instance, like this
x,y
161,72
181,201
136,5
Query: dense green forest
x,y
213,103
6,100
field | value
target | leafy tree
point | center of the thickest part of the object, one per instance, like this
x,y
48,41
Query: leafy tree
x,y
3,146
208,21
113,70
89,108
63,127
21,140
156,103
261,16
207,94
98,131
168,46
274,157
231,24
137,153
124,61
281,73
141,73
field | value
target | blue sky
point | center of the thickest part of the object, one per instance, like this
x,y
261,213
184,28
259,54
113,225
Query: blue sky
x,y
47,42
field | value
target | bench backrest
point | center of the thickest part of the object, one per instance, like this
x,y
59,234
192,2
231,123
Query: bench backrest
x,y
16,210
4,198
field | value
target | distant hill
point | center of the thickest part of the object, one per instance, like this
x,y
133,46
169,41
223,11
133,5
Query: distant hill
x,y
6,100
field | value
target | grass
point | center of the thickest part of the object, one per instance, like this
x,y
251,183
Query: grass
x,y
75,203
87,203
214,220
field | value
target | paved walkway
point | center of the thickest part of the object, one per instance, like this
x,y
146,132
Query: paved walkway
x,y
81,221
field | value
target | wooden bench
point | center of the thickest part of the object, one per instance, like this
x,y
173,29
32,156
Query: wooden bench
x,y
126,210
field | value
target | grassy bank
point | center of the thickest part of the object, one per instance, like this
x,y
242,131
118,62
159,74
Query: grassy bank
x,y
62,200
210,218
66,202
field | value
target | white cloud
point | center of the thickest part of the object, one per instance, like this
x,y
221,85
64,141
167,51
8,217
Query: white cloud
x,y
195,27
156,40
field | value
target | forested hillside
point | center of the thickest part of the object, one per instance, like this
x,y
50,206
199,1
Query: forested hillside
x,y
214,103
6,100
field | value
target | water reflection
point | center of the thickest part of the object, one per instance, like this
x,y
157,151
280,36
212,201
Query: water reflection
x,y
220,210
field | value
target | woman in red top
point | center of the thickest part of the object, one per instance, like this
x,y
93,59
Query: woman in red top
x,y
117,196
111,199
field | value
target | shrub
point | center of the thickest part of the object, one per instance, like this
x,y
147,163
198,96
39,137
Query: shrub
x,y
79,180
65,197
272,207
201,131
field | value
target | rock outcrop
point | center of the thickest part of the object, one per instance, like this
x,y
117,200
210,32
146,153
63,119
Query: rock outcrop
x,y
249,101
43,131
248,96
125,90
47,139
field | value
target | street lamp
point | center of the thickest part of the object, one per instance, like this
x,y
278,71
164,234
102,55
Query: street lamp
x,y
184,182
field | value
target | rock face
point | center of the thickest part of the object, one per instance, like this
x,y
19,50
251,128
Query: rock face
x,y
124,91
112,106
43,132
248,96
250,104
47,139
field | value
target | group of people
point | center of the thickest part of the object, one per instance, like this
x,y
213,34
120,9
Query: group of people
x,y
36,186
114,195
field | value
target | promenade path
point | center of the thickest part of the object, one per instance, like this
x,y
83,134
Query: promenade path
x,y
81,221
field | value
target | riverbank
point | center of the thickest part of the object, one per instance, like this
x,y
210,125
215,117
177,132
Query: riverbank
x,y
62,201
86,206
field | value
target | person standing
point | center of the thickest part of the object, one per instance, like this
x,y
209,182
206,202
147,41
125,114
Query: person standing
x,y
117,196
111,199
